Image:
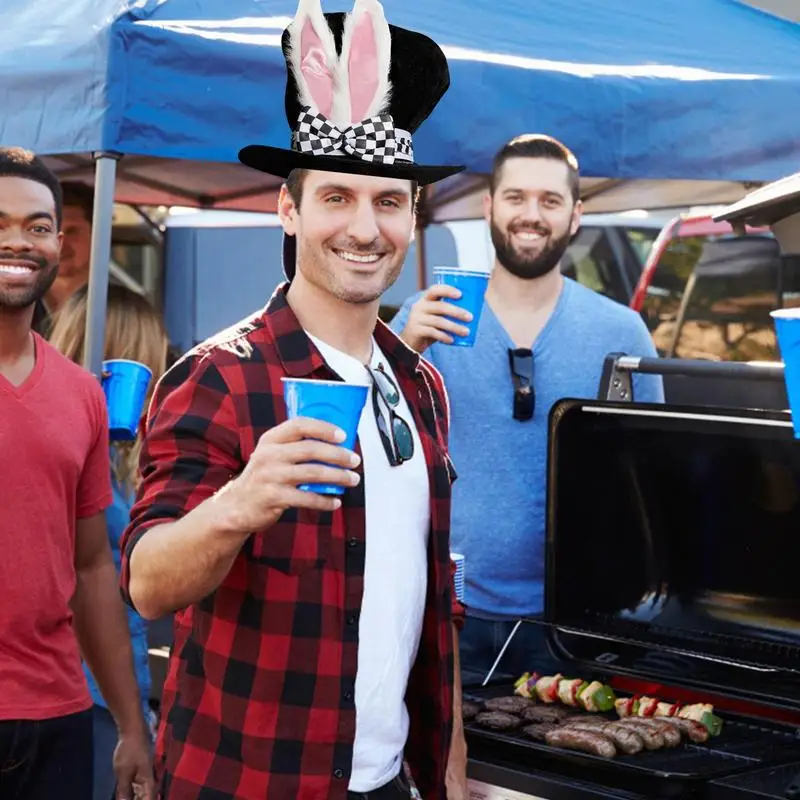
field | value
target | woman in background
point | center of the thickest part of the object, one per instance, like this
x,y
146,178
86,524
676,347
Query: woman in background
x,y
134,331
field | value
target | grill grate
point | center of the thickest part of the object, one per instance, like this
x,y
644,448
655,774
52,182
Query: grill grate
x,y
742,745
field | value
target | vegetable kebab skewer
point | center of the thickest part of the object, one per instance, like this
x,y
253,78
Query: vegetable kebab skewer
x,y
595,697
590,696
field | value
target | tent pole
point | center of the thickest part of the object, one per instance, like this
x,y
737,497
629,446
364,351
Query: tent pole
x,y
102,220
422,277
422,223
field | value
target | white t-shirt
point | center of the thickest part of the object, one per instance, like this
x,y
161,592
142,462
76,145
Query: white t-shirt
x,y
395,582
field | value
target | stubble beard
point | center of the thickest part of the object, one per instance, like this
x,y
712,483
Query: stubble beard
x,y
17,299
319,267
528,267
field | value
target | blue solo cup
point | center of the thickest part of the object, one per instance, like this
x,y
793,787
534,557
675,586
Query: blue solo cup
x,y
335,402
472,286
787,331
125,385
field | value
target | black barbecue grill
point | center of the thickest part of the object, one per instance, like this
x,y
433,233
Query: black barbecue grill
x,y
673,570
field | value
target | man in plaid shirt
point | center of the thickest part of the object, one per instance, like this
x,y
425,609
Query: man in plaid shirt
x,y
315,636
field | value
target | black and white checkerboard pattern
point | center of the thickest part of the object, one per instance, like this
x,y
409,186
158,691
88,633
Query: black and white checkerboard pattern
x,y
374,139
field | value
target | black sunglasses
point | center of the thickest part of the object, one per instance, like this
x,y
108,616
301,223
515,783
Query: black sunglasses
x,y
521,363
398,441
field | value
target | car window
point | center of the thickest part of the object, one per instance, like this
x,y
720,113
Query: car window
x,y
710,298
641,241
665,291
590,260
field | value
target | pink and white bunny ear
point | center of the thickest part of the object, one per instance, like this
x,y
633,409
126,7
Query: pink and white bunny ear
x,y
363,89
312,57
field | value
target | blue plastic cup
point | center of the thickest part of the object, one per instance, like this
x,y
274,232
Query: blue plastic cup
x,y
335,402
472,286
125,385
787,330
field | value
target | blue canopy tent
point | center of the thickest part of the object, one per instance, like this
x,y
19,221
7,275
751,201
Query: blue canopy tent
x,y
647,93
663,107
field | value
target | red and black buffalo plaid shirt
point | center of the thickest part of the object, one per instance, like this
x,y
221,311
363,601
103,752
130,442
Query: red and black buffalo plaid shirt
x,y
259,696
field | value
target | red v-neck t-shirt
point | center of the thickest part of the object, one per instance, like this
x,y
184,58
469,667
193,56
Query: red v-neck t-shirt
x,y
54,470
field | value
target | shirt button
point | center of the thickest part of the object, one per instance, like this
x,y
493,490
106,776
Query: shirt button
x,y
352,619
353,542
338,773
348,695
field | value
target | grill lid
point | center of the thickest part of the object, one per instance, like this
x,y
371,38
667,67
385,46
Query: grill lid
x,y
675,533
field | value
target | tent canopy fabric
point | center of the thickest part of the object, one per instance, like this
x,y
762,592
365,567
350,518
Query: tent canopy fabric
x,y
647,95
653,97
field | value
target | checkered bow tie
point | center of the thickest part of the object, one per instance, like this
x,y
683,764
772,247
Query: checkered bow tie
x,y
374,139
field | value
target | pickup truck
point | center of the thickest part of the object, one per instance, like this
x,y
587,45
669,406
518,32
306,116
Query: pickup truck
x,y
705,293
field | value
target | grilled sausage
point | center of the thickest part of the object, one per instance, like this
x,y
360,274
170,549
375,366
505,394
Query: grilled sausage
x,y
497,720
545,714
692,730
652,739
539,732
469,710
625,738
586,723
511,705
672,736
628,741
585,741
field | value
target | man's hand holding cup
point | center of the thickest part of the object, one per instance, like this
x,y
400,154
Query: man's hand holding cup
x,y
433,319
298,452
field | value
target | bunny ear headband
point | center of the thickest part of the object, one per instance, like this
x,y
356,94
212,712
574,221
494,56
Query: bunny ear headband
x,y
357,88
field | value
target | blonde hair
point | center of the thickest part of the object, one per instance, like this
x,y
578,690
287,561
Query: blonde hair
x,y
135,331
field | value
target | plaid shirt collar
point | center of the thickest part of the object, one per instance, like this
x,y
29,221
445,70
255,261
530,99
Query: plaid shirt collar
x,y
299,356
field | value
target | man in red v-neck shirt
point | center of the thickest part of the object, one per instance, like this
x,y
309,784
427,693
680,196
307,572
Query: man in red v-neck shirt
x,y
57,577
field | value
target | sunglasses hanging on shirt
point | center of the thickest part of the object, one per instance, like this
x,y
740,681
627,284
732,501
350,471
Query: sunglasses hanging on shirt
x,y
521,362
398,441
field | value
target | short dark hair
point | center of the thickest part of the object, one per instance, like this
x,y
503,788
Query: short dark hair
x,y
294,185
79,195
17,162
297,177
537,145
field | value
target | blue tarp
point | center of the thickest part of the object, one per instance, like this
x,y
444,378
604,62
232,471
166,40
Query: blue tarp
x,y
669,89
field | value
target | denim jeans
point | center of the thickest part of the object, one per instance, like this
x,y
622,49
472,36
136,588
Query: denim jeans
x,y
106,738
46,759
481,641
105,742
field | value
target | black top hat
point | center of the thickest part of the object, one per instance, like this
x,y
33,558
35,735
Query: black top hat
x,y
357,88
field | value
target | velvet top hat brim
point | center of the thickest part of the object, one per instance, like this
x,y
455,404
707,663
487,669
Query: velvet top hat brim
x,y
280,162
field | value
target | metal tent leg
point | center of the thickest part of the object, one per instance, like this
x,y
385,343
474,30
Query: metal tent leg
x,y
423,220
102,221
422,277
